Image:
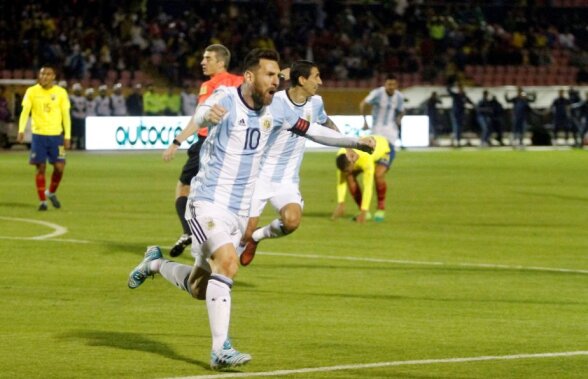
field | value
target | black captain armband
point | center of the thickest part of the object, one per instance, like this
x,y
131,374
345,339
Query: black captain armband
x,y
300,127
176,142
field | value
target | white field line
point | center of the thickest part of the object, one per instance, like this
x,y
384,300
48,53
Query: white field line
x,y
386,364
423,263
59,230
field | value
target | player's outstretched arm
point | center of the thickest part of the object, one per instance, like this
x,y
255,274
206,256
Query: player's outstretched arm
x,y
188,130
328,137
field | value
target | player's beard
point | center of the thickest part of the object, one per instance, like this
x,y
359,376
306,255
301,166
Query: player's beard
x,y
261,98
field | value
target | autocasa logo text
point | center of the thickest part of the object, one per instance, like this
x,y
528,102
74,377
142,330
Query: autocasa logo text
x,y
151,134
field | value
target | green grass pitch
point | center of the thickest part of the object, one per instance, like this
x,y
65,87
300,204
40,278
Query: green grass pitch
x,y
482,254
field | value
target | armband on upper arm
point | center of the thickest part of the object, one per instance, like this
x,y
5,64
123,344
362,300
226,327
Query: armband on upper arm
x,y
300,127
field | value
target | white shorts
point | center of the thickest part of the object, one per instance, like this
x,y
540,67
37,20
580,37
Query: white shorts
x,y
278,194
212,227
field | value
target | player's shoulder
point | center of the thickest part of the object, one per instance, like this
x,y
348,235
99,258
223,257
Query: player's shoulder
x,y
227,79
34,88
280,100
60,90
316,99
222,92
281,96
376,92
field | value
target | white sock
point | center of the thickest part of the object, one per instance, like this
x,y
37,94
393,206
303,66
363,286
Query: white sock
x,y
175,273
218,303
272,230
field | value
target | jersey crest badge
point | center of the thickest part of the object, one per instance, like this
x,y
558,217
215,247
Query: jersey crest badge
x,y
266,124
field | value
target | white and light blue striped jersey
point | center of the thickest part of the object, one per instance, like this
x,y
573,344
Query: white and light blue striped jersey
x,y
119,105
385,108
284,152
230,156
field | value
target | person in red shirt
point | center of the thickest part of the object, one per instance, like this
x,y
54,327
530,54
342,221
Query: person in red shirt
x,y
215,63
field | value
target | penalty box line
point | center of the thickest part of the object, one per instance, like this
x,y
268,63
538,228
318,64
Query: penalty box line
x,y
387,364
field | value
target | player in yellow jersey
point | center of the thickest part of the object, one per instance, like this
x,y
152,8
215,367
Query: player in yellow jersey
x,y
374,166
48,104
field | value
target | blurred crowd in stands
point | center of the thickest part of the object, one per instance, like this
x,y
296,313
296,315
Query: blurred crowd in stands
x,y
435,41
110,53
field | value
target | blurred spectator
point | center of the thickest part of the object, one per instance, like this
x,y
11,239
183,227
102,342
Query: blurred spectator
x,y
171,101
520,113
91,102
497,120
458,112
4,109
135,101
582,108
484,111
435,124
103,107
152,102
118,101
78,117
188,100
75,65
560,109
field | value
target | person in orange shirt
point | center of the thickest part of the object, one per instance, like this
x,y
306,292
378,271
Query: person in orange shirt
x,y
215,63
48,105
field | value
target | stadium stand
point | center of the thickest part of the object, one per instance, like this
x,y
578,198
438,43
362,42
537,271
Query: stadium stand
x,y
428,44
425,42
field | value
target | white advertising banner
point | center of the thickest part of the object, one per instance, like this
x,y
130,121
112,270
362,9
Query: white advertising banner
x,y
154,132
134,133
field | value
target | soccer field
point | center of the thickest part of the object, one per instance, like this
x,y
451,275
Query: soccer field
x,y
480,270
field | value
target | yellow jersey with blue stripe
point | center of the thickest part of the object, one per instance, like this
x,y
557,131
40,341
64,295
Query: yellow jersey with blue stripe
x,y
49,109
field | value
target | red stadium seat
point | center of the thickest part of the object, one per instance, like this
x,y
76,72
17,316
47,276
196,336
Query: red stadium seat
x,y
6,74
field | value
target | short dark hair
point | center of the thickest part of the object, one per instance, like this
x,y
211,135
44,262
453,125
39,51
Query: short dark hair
x,y
300,68
252,58
222,53
50,66
390,76
342,162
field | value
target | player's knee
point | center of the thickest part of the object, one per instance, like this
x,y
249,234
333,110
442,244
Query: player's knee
x,y
290,223
290,216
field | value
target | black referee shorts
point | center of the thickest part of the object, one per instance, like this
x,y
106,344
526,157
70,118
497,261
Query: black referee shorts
x,y
192,165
